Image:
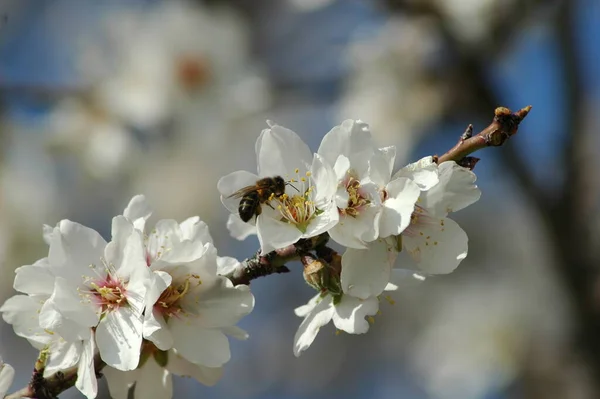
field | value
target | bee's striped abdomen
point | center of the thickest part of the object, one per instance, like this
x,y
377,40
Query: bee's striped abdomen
x,y
249,206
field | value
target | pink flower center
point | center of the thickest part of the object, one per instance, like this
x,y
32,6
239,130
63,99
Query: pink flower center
x,y
109,293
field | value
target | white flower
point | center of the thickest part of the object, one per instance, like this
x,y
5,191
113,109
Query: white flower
x,y
438,244
306,209
370,205
165,56
7,374
22,311
100,141
238,229
390,85
99,285
347,312
349,149
155,381
189,307
348,315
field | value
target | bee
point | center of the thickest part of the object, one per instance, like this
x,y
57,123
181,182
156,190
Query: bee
x,y
257,194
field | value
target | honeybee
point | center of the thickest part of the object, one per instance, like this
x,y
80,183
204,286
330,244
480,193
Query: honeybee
x,y
257,194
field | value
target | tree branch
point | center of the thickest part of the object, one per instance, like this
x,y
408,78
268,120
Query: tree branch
x,y
274,262
49,388
503,127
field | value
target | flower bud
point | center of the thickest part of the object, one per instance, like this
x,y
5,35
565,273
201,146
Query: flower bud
x,y
321,275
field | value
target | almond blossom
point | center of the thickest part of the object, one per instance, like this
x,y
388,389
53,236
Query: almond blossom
x,y
307,208
98,285
22,311
348,313
190,309
436,243
370,203
7,374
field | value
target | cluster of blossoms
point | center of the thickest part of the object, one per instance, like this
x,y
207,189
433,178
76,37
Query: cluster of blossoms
x,y
146,305
348,190
151,303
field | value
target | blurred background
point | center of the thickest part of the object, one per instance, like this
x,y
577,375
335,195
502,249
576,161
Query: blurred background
x,y
104,100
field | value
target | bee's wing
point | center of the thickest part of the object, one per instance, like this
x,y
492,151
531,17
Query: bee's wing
x,y
242,191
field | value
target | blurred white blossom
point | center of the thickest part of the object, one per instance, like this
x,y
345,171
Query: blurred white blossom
x,y
474,342
471,20
388,85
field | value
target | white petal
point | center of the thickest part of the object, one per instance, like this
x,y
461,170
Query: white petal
x,y
157,330
340,167
238,229
7,374
455,191
226,265
205,375
73,248
196,230
64,355
350,313
22,312
322,223
366,272
355,232
235,332
424,172
381,165
67,299
273,234
351,139
231,183
48,232
325,180
302,311
138,211
440,248
280,151
86,372
34,279
159,281
119,338
119,382
204,347
153,381
319,316
398,207
128,256
205,268
223,304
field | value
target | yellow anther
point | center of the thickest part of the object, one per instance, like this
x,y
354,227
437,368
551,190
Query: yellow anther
x,y
390,300
303,179
297,170
338,332
308,174
371,319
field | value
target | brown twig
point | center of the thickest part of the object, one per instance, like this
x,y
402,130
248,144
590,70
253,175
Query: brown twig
x,y
49,388
503,127
274,262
